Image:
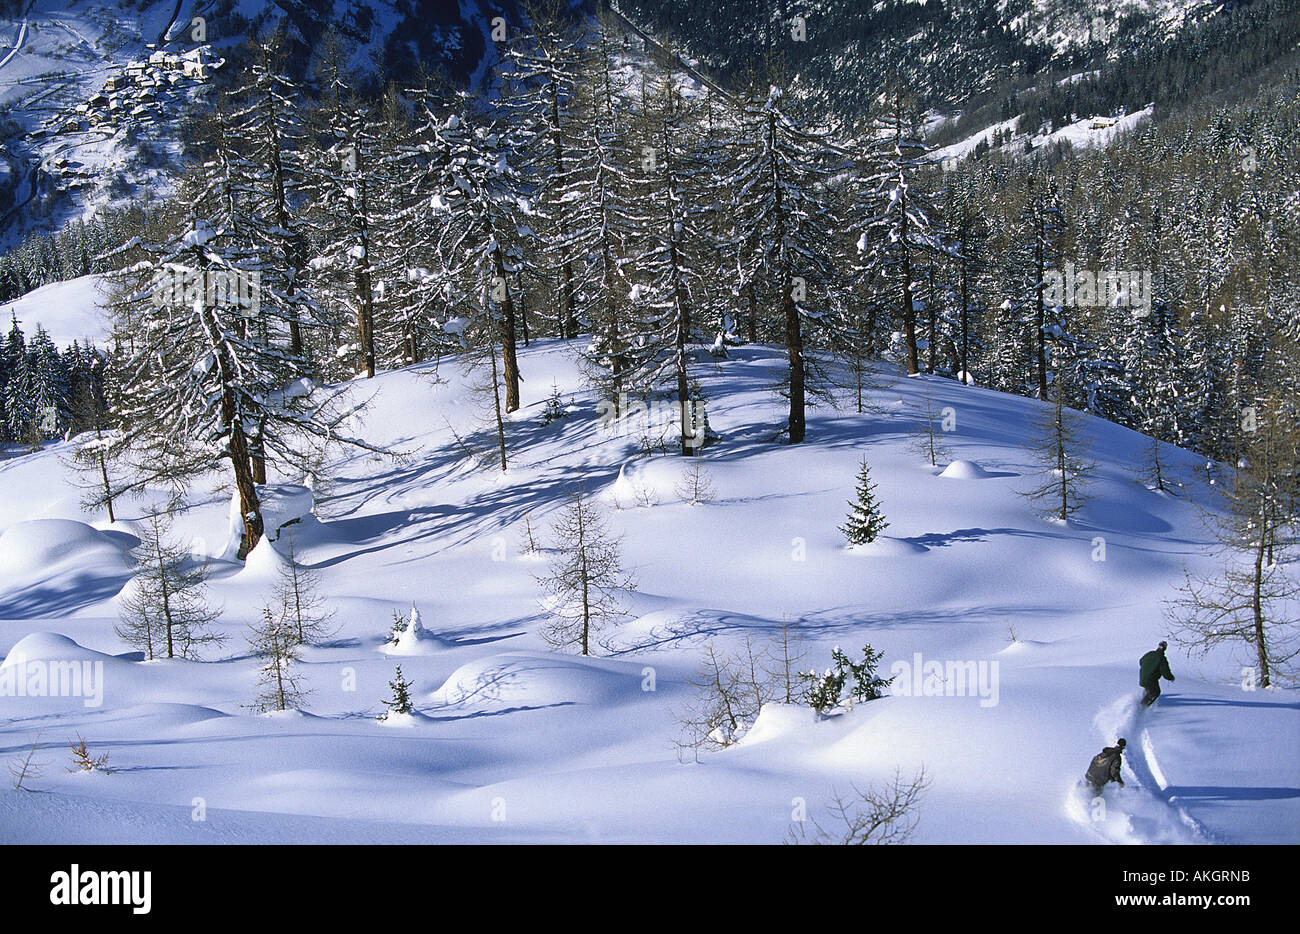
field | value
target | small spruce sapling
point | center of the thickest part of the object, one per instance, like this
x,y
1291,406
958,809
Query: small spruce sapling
x,y
401,700
554,409
865,519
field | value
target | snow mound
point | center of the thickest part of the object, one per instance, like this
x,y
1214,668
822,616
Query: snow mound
x,y
644,482
622,492
886,547
413,639
777,720
41,544
51,646
402,720
284,505
964,470
530,680
263,562
169,713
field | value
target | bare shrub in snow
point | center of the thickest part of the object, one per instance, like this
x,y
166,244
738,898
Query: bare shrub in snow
x,y
24,769
784,657
84,761
528,538
729,692
928,439
874,815
695,487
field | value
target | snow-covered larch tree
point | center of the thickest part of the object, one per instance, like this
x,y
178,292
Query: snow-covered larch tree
x,y
785,223
210,369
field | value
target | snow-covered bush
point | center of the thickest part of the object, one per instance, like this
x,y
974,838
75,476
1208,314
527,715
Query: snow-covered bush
x,y
409,637
825,690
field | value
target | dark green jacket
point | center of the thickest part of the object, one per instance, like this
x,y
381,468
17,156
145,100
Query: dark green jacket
x,y
1152,667
1105,766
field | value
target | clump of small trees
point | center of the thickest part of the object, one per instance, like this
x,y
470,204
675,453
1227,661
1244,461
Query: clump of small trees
x,y
729,691
824,690
731,688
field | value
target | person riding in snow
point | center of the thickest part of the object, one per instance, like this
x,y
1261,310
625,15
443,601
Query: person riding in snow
x,y
1151,668
1105,767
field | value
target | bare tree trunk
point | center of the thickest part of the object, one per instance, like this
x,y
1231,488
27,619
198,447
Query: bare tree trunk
x,y
257,454
1257,603
523,309
752,322
1040,348
568,321
103,474
164,596
794,343
965,316
250,510
909,311
366,322
510,362
932,325
496,398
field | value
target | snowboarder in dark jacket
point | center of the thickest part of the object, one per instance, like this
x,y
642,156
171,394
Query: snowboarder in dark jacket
x,y
1105,767
1151,668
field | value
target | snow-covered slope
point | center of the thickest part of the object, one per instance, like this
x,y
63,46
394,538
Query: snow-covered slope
x,y
1088,133
68,311
517,743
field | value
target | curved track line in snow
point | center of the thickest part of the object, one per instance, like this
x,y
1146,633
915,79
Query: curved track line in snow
x,y
1140,812
1158,777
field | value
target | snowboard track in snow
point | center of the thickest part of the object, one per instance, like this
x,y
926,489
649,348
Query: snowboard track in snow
x,y
1143,811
